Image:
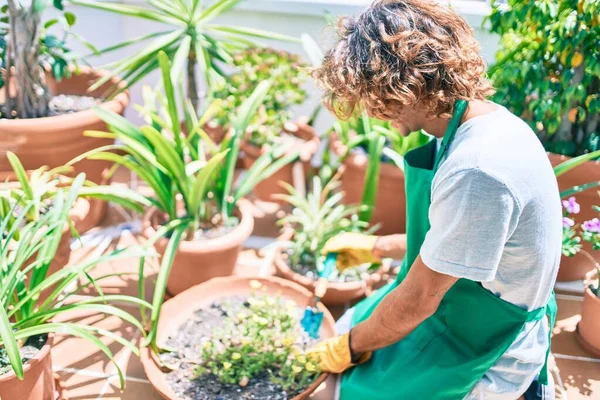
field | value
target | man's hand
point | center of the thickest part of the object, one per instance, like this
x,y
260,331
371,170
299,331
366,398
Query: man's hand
x,y
352,249
334,354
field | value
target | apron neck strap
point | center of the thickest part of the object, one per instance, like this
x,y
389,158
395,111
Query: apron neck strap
x,y
460,106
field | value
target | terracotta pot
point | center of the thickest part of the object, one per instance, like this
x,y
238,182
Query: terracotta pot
x,y
588,329
338,293
178,309
38,383
198,261
390,203
53,141
265,189
575,268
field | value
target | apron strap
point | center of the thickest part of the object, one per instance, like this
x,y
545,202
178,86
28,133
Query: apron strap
x,y
460,107
551,308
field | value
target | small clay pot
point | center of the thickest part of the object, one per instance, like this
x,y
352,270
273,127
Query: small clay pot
x,y
54,141
270,186
588,329
178,309
584,173
198,261
390,202
38,382
338,293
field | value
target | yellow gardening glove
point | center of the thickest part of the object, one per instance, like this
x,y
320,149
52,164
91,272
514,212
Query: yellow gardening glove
x,y
352,249
334,354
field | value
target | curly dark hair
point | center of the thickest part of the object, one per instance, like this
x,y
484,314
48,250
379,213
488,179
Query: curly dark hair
x,y
400,53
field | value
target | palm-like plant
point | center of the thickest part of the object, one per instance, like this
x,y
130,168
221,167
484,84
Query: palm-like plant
x,y
189,170
316,218
24,264
192,39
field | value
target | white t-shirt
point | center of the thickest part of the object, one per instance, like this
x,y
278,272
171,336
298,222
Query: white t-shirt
x,y
496,219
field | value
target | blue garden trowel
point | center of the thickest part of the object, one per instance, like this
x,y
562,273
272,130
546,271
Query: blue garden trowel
x,y
313,318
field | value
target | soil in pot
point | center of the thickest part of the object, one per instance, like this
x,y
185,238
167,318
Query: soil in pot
x,y
28,351
307,267
255,344
68,104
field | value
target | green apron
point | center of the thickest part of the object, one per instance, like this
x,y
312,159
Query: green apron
x,y
447,354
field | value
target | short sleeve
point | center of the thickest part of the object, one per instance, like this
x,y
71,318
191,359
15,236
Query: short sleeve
x,y
472,216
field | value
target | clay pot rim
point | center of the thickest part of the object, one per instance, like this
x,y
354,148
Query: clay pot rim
x,y
39,357
282,267
360,161
306,132
153,371
238,235
117,104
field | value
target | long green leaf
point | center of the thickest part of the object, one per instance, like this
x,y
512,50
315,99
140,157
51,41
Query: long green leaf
x,y
10,344
161,281
216,9
181,56
202,181
128,10
376,144
578,189
575,162
252,32
20,173
165,66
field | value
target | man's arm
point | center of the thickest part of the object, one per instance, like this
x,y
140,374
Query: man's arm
x,y
402,310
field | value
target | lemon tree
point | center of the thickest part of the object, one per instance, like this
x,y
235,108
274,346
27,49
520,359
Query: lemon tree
x,y
547,69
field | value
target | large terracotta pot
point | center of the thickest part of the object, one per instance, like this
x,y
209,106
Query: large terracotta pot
x,y
588,329
390,203
178,309
198,261
338,293
270,186
38,383
575,268
53,141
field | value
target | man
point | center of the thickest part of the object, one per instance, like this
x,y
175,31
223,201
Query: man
x,y
469,315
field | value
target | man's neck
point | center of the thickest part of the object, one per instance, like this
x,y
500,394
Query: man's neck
x,y
437,126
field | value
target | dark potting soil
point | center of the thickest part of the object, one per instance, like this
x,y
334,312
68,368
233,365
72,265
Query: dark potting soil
x,y
307,267
187,342
32,346
68,104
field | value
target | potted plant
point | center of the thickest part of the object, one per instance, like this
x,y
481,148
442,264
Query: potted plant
x,y
372,154
547,71
40,187
236,337
192,41
44,100
574,264
272,125
198,218
28,320
317,217
588,327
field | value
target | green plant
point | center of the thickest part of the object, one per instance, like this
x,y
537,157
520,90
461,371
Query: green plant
x,y
255,65
381,142
26,47
548,69
263,336
39,189
316,218
191,170
192,39
32,299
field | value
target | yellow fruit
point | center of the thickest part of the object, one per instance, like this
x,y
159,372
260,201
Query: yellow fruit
x,y
563,57
577,60
573,115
